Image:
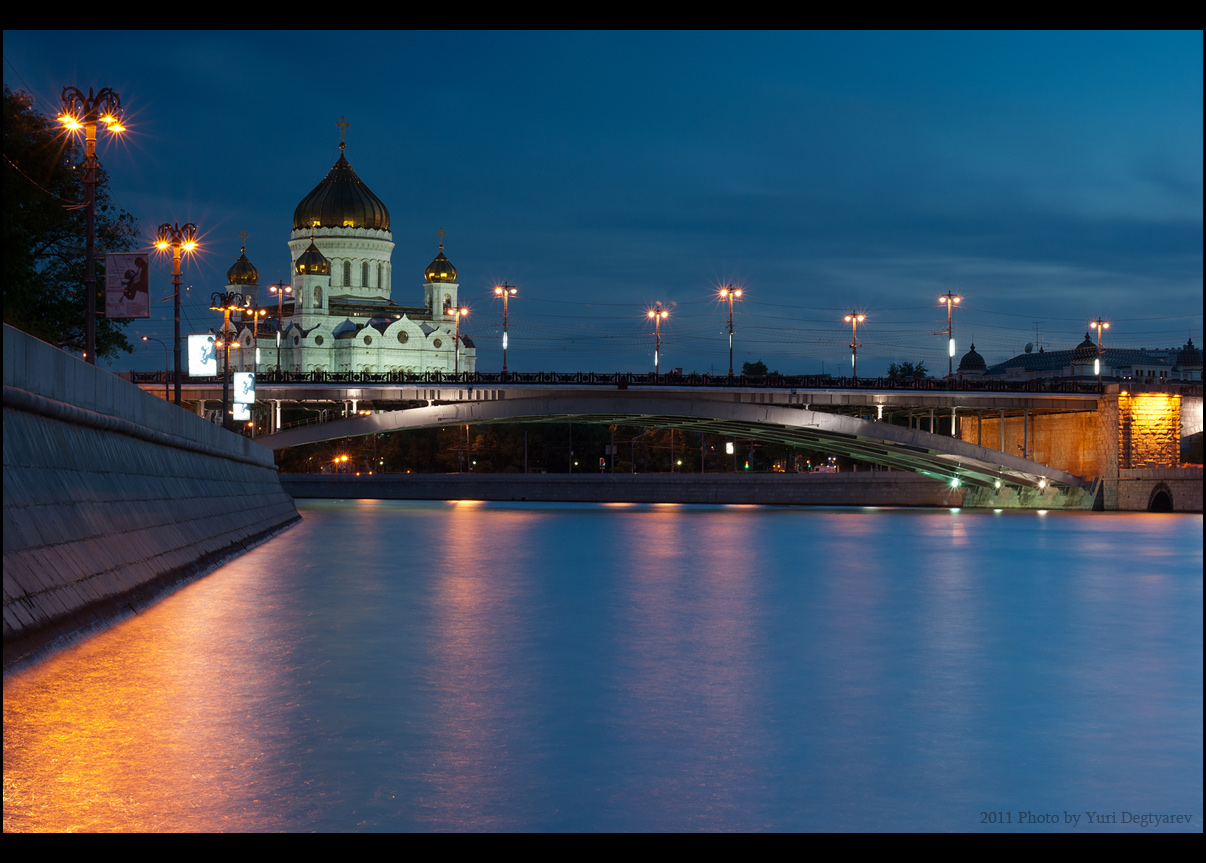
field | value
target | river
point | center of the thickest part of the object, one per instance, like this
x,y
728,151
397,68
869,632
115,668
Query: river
x,y
470,666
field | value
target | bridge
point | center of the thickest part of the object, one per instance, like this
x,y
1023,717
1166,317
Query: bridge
x,y
997,438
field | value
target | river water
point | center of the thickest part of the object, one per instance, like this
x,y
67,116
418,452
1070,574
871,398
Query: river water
x,y
508,667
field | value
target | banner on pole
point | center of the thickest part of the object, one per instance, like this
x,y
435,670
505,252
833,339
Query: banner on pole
x,y
127,286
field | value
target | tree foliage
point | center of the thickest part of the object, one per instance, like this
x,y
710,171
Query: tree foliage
x,y
44,233
907,371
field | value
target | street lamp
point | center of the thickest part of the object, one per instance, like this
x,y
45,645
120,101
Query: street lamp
x,y
854,319
85,112
1098,325
730,293
658,314
951,300
178,239
506,292
279,291
166,397
227,303
456,339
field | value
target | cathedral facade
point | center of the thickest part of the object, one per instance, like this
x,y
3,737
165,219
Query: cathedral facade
x,y
337,314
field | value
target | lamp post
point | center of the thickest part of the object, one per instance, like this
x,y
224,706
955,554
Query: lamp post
x,y
279,291
506,292
456,339
178,239
854,319
730,293
166,397
227,303
658,314
951,300
1098,325
85,112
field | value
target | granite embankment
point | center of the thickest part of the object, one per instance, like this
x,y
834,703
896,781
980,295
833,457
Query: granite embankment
x,y
113,496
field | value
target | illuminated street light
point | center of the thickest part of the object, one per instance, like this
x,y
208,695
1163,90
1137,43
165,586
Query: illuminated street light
x,y
854,319
227,303
166,397
279,291
178,239
658,314
506,292
951,300
86,112
730,293
456,339
1098,325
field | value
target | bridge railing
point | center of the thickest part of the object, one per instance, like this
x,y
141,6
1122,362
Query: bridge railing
x,y
624,380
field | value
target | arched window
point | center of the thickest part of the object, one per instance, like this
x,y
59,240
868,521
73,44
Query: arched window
x,y
317,297
347,273
364,274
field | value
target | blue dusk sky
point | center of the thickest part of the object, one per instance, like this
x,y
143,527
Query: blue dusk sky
x,y
1049,178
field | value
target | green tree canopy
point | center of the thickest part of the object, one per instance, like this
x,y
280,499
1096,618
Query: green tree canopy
x,y
44,233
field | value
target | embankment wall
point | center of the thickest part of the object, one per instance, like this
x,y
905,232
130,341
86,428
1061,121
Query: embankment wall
x,y
112,496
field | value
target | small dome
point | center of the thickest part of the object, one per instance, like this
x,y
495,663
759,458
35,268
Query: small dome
x,y
243,272
341,200
972,363
1189,356
441,269
1085,348
313,262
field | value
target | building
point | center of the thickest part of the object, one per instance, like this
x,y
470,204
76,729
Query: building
x,y
337,314
1117,364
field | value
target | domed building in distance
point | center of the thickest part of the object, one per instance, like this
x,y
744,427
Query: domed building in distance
x,y
337,314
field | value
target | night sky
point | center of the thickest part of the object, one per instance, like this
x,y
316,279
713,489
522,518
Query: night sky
x,y
1049,178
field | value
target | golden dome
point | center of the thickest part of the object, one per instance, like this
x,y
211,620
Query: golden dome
x,y
341,200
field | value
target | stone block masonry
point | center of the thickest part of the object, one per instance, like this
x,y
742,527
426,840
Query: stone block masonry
x,y
112,496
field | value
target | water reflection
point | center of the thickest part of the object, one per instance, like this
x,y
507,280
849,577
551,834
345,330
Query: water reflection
x,y
470,666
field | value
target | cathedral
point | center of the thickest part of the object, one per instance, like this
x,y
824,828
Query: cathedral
x,y
337,314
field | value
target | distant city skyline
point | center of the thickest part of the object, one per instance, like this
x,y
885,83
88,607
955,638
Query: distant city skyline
x,y
1049,178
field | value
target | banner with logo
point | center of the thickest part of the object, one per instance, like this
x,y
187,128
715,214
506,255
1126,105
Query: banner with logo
x,y
127,286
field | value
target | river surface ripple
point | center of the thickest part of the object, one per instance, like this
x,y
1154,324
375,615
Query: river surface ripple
x,y
507,667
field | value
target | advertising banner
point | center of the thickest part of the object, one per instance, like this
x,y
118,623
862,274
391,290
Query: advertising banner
x,y
127,286
244,388
202,359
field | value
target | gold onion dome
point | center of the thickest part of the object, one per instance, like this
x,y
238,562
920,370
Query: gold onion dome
x,y
441,269
243,272
313,262
341,201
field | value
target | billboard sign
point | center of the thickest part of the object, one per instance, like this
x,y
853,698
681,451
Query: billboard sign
x,y
202,357
244,388
127,286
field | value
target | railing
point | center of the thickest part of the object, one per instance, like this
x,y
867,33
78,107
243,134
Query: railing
x,y
623,380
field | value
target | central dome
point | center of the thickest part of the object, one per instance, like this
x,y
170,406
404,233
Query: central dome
x,y
342,200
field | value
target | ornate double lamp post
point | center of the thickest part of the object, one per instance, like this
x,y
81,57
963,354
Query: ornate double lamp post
x,y
227,303
951,300
86,113
657,314
506,292
854,319
279,292
728,292
179,239
1098,325
456,339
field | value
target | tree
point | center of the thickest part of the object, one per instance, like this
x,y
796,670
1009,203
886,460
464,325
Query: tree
x,y
757,369
44,227
907,371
